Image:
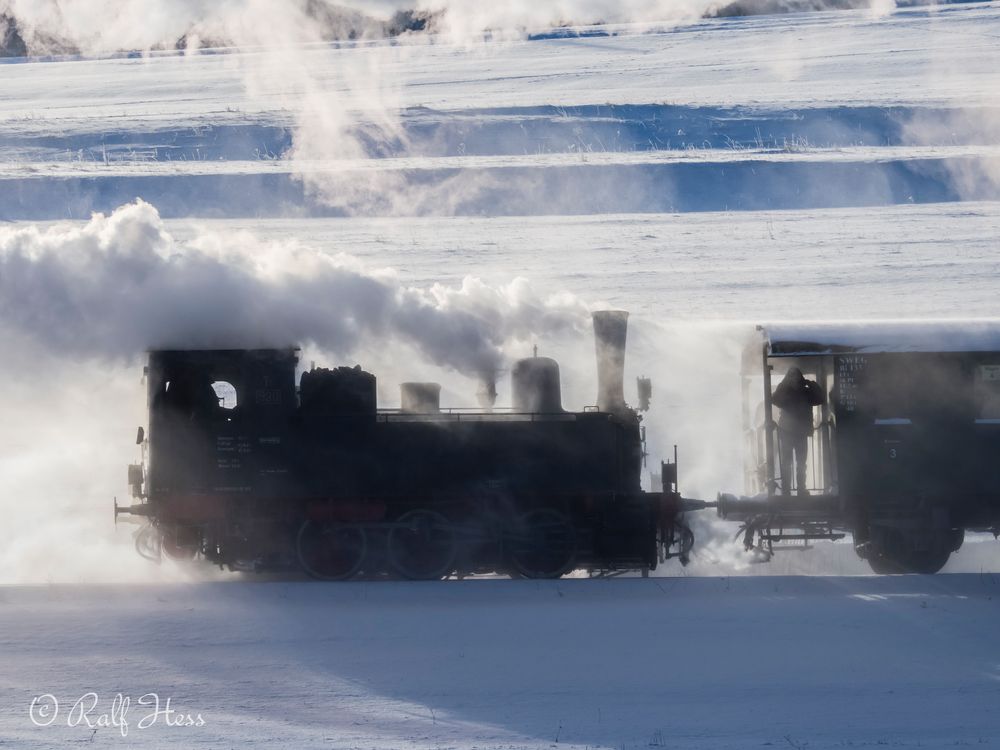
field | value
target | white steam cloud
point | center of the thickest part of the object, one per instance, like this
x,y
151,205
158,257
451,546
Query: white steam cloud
x,y
79,303
120,284
977,125
96,26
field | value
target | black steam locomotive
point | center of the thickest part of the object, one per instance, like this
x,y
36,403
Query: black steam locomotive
x,y
248,471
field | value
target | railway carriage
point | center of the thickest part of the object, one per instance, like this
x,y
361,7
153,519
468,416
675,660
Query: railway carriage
x,y
904,451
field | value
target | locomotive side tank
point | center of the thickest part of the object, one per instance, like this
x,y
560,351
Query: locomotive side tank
x,y
248,471
901,451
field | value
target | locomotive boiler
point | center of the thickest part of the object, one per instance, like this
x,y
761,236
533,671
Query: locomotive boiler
x,y
248,469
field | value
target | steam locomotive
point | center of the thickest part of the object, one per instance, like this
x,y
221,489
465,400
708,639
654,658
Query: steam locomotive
x,y
247,470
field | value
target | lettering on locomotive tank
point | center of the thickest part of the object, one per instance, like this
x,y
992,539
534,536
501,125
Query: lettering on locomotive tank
x,y
849,367
267,396
239,444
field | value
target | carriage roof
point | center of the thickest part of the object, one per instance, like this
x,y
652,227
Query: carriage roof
x,y
876,337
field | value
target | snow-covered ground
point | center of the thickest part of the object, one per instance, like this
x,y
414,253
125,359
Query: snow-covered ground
x,y
819,165
626,664
800,111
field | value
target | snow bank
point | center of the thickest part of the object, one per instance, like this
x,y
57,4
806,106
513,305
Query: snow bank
x,y
684,663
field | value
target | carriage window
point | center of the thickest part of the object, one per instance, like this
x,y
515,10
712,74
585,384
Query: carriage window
x,y
226,394
988,392
894,392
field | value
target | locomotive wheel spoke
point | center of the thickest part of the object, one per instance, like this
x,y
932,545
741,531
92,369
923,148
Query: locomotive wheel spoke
x,y
331,552
543,544
180,544
421,546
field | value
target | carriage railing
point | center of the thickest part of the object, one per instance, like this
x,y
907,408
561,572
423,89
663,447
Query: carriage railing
x,y
818,445
821,444
461,414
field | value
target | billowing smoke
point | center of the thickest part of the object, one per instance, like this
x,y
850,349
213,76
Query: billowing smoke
x,y
120,284
98,26
79,303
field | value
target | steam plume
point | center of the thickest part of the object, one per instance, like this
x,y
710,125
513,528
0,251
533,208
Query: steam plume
x,y
121,284
96,26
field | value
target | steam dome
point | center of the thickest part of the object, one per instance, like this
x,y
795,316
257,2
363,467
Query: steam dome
x,y
535,385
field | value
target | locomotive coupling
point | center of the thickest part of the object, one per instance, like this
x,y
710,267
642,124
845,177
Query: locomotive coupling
x,y
671,503
131,510
726,504
687,504
740,507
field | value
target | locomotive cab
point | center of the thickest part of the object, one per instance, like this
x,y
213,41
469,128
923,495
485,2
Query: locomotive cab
x,y
218,420
900,453
217,439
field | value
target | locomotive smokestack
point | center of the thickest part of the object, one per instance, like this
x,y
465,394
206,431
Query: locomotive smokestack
x,y
487,393
610,331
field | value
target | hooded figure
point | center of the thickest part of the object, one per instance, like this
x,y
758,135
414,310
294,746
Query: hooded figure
x,y
795,397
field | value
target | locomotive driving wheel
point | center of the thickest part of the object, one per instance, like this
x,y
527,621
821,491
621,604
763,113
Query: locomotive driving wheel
x,y
542,544
421,546
331,551
180,543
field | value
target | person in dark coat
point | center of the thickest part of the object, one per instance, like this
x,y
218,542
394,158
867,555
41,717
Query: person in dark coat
x,y
795,397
